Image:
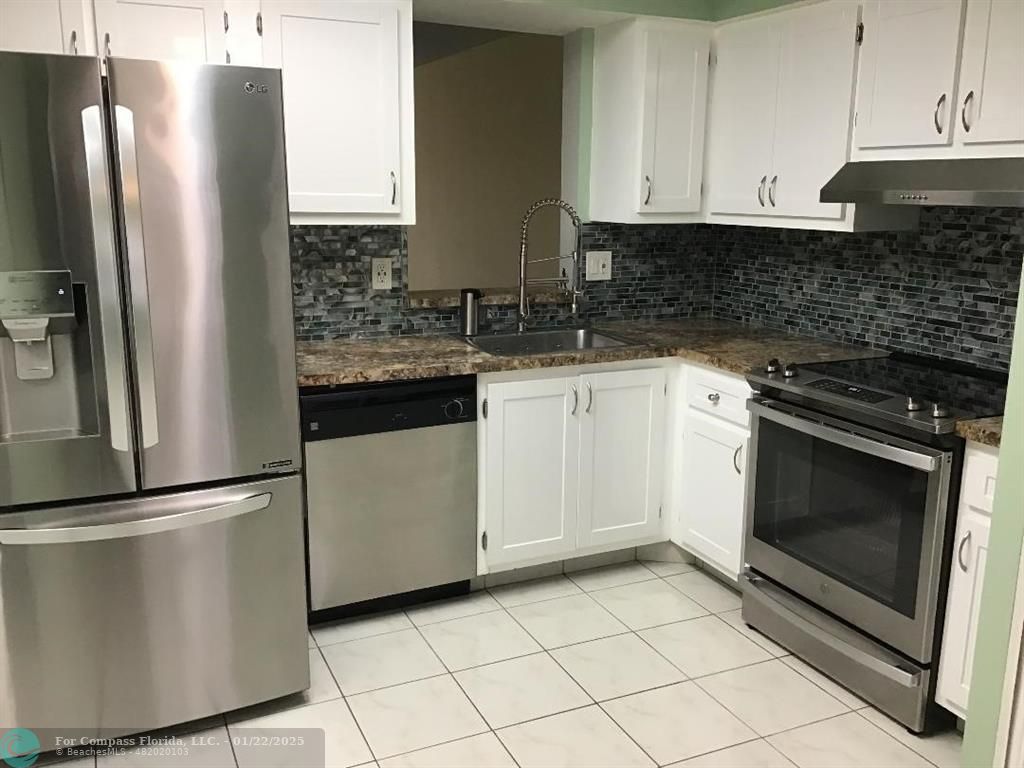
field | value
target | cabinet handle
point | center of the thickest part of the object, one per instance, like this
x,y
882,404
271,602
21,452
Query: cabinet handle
x,y
74,42
771,190
963,111
394,187
226,22
760,190
590,397
714,397
647,199
736,460
575,400
960,551
259,23
935,117
227,57
106,44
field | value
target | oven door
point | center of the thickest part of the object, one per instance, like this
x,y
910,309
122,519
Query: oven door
x,y
850,519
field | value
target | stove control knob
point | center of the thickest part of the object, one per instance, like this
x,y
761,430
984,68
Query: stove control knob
x,y
913,404
790,370
773,366
939,411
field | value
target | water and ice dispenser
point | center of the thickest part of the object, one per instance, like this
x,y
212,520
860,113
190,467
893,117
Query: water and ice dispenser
x,y
45,357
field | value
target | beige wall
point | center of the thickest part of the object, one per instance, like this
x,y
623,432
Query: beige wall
x,y
488,144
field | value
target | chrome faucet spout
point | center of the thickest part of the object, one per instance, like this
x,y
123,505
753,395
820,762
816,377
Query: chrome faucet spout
x,y
571,286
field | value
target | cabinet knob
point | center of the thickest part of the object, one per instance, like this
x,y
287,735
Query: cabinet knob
x,y
714,397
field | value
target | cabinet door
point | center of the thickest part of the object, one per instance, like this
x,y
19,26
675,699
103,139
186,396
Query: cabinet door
x,y
43,26
674,108
713,490
743,100
991,93
340,70
908,73
530,470
815,95
190,30
622,439
244,38
962,607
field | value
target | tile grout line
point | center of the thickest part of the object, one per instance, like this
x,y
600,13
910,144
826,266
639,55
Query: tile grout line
x,y
923,757
348,706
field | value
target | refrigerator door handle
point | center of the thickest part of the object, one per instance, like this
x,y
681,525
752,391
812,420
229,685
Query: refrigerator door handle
x,y
101,215
134,528
142,325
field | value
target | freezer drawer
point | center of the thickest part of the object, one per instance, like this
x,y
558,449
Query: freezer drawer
x,y
133,615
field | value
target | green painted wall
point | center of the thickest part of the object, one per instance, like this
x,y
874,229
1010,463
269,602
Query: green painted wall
x,y
705,10
1005,543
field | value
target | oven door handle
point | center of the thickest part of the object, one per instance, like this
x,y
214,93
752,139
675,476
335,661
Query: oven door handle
x,y
922,461
758,589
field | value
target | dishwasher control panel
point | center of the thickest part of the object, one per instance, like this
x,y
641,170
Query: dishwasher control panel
x,y
362,410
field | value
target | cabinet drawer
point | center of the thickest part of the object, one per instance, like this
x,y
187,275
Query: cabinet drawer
x,y
719,394
979,481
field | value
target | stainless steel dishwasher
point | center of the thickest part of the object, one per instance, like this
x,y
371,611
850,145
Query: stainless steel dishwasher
x,y
390,488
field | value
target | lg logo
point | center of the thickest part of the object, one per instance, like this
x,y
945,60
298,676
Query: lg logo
x,y
250,87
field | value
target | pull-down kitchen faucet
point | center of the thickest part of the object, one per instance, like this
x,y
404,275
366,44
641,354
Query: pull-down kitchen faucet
x,y
571,287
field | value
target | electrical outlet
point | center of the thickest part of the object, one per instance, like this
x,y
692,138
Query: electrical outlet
x,y
382,274
599,265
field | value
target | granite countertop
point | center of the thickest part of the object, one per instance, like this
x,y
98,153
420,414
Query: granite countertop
x,y
987,431
728,346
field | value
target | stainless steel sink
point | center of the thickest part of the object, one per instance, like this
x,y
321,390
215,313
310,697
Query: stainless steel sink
x,y
545,342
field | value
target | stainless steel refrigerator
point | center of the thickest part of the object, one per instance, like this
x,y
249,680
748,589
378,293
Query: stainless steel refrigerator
x,y
151,544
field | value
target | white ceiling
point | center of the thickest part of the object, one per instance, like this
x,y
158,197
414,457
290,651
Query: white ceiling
x,y
537,16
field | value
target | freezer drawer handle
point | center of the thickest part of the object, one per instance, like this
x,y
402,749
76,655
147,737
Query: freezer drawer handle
x,y
142,324
101,214
757,590
134,528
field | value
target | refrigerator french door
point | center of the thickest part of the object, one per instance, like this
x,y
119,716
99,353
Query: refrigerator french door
x,y
151,554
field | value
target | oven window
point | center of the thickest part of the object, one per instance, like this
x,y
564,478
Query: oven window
x,y
855,517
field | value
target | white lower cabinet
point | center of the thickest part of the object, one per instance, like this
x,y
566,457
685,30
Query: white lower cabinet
x,y
622,435
570,465
968,575
713,491
529,473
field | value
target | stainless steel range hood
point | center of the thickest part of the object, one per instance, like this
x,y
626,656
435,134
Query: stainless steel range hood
x,y
983,182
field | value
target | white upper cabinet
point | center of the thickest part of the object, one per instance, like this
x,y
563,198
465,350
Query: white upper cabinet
x,y
781,120
647,134
622,439
990,112
812,117
530,470
908,73
189,30
675,80
742,124
347,75
45,26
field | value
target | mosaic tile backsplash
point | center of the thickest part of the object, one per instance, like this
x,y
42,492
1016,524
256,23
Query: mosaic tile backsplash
x,y
659,271
949,289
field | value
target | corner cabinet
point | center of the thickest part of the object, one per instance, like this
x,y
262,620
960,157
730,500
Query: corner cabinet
x,y
781,120
570,464
648,112
963,601
347,73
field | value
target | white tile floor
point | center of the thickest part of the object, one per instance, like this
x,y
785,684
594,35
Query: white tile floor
x,y
627,665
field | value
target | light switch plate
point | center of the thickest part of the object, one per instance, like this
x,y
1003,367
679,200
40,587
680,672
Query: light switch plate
x,y
381,268
599,265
